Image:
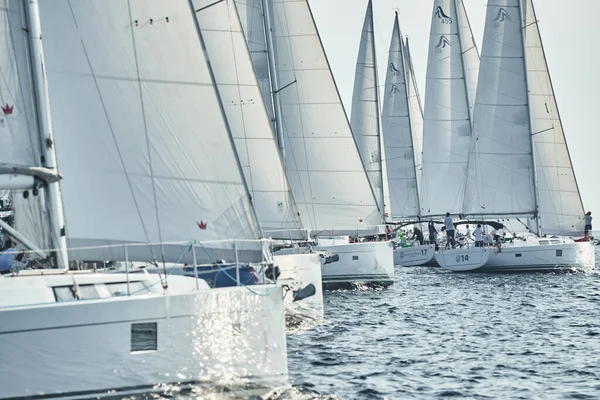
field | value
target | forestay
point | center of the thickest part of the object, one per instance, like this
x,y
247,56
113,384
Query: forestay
x,y
559,201
401,121
247,118
501,170
365,118
324,168
142,142
447,126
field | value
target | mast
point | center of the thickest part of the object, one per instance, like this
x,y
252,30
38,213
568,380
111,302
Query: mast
x,y
378,116
534,177
365,119
274,81
408,63
52,190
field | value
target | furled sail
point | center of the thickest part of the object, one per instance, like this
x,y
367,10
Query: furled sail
x,y
559,201
451,71
501,169
365,118
247,118
400,128
142,140
322,162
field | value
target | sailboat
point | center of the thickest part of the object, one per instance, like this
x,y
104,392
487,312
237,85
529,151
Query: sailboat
x,y
326,175
402,118
452,68
365,119
519,165
223,38
148,164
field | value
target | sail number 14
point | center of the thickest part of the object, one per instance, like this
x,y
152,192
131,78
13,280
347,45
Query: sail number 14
x,y
462,258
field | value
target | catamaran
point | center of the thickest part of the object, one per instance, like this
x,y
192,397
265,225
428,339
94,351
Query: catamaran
x,y
148,163
519,164
326,175
452,67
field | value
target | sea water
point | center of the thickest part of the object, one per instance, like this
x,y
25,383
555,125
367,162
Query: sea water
x,y
441,334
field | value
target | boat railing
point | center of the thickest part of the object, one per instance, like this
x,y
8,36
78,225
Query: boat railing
x,y
188,255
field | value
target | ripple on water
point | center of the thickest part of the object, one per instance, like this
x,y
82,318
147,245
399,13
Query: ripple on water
x,y
441,335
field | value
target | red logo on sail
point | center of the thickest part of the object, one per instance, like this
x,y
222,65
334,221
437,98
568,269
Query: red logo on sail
x,y
7,109
202,225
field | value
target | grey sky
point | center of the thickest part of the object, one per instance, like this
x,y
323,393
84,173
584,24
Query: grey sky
x,y
569,41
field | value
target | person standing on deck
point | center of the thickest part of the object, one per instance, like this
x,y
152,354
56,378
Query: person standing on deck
x,y
478,236
448,222
588,223
418,235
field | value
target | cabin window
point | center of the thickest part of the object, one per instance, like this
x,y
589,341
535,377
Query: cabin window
x,y
543,242
120,288
518,255
558,253
354,257
144,337
69,293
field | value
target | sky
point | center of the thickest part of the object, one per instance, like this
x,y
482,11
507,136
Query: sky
x,y
568,35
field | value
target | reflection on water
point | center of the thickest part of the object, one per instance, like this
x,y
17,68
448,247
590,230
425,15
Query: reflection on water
x,y
438,334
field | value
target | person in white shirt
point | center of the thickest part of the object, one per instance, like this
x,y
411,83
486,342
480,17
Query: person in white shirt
x,y
448,222
478,236
468,234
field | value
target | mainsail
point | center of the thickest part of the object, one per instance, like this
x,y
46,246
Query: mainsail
x,y
402,124
559,202
451,78
247,118
143,143
365,118
322,162
501,168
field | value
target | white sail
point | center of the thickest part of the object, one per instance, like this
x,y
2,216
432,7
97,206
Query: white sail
x,y
470,54
559,201
447,116
19,130
142,141
501,170
247,117
365,118
251,17
397,119
415,111
324,168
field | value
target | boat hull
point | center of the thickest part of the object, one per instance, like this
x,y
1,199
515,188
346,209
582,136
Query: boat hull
x,y
305,268
87,346
369,264
414,256
534,257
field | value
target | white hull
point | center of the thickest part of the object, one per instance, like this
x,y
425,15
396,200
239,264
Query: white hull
x,y
369,264
306,269
414,256
85,346
528,256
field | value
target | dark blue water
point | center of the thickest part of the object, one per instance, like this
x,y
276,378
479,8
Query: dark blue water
x,y
439,334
